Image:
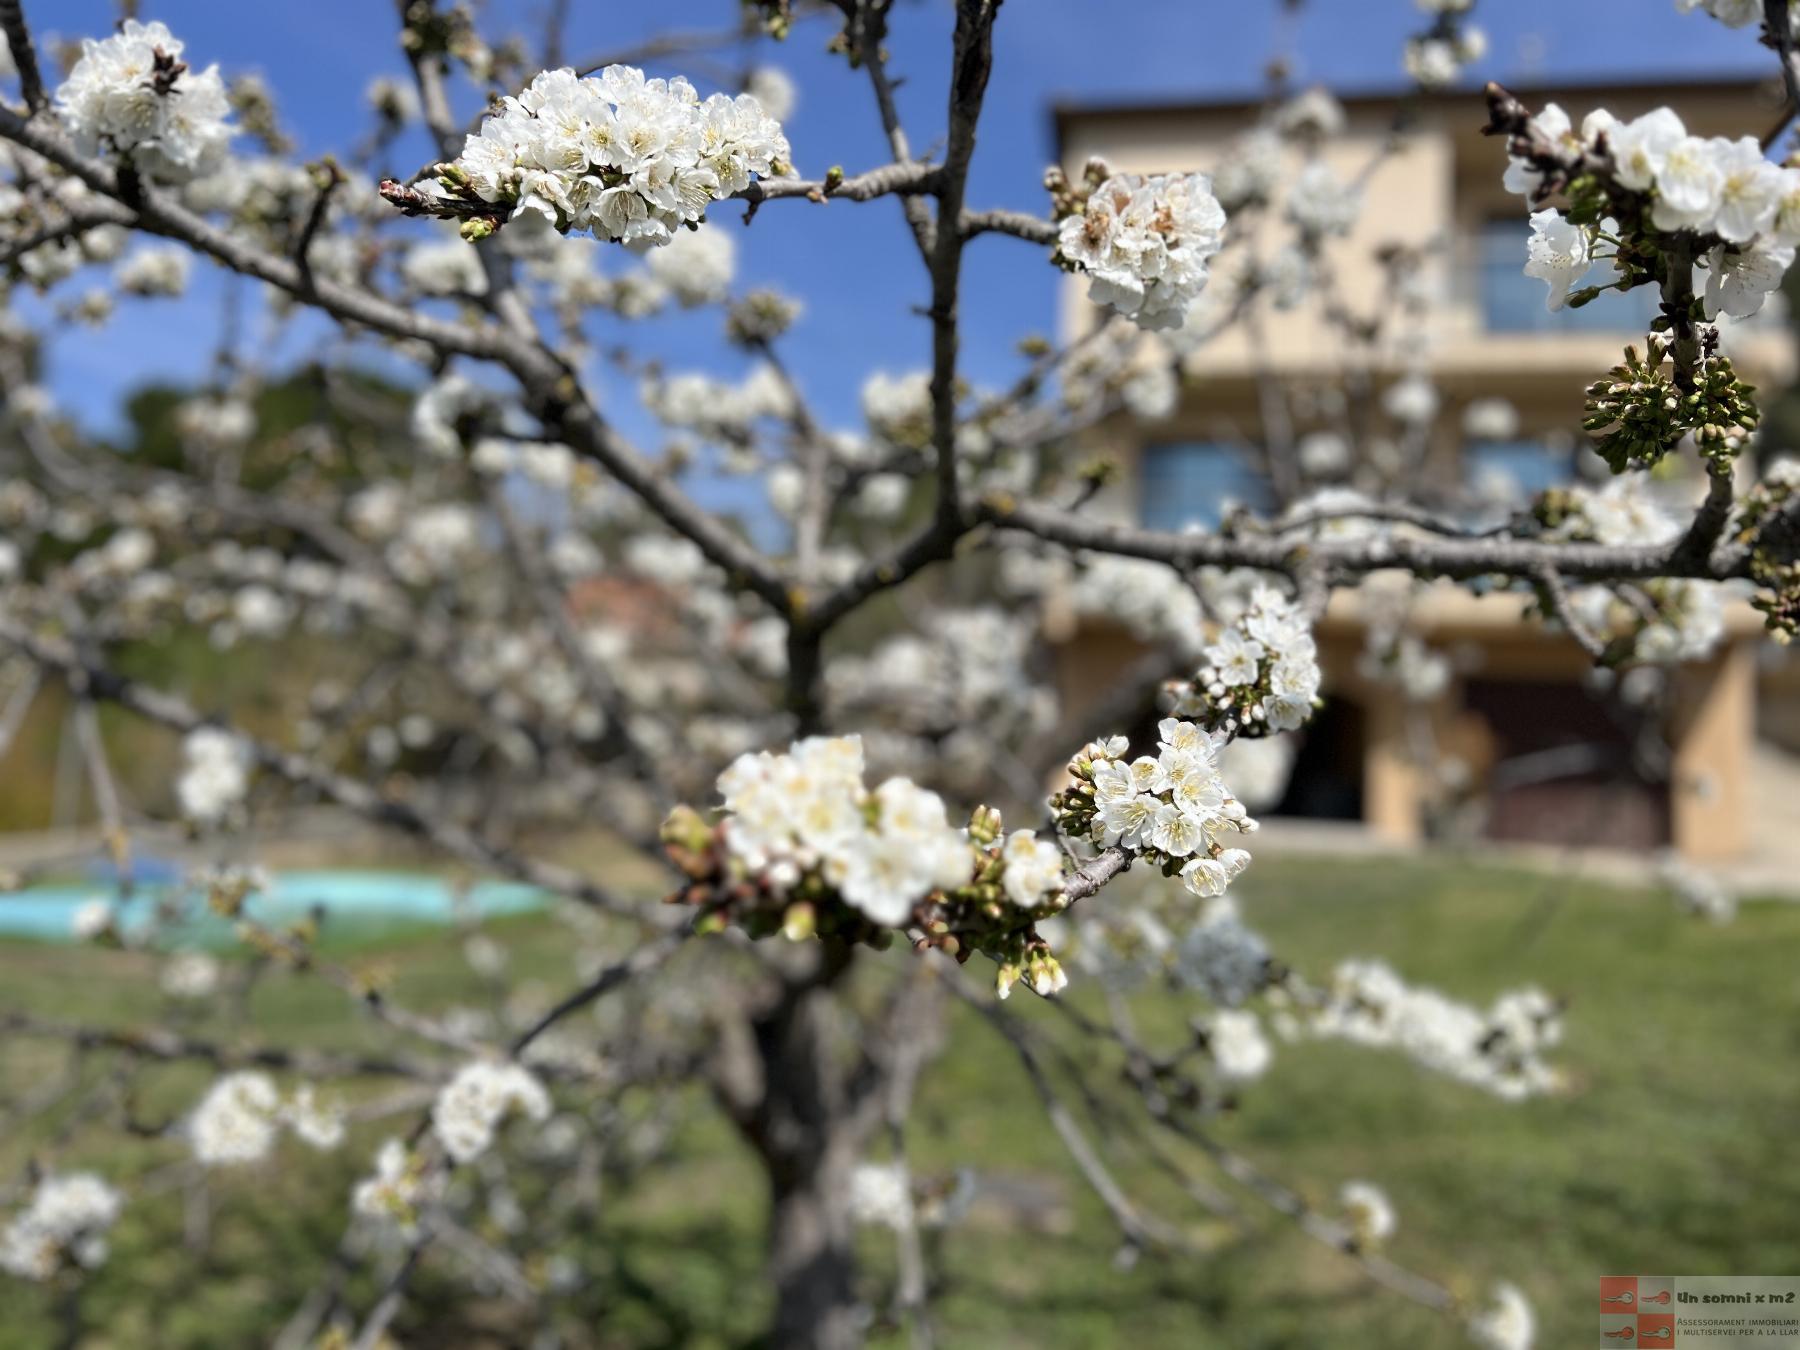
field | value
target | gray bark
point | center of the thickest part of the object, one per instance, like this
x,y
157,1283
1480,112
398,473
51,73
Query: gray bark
x,y
805,1138
786,1086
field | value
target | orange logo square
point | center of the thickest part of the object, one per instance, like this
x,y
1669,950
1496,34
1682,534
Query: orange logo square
x,y
1618,1293
1656,1329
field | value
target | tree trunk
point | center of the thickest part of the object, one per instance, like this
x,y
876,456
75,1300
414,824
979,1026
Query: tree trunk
x,y
801,1130
785,1086
812,1256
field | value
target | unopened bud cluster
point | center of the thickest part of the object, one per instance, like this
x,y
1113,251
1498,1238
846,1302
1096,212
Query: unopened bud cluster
x,y
1767,522
1636,413
760,317
1436,57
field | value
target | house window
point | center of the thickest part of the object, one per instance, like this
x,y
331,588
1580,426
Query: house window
x,y
1512,302
1525,467
1188,484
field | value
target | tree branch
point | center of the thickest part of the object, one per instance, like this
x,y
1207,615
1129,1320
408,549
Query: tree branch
x,y
24,55
166,1046
1032,229
1138,1229
1460,558
972,61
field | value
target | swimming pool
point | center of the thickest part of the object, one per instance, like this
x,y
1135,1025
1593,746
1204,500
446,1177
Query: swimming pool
x,y
356,902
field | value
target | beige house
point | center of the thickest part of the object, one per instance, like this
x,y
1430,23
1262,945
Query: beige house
x,y
1545,758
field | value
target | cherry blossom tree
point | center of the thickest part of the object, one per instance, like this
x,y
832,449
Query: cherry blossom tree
x,y
833,747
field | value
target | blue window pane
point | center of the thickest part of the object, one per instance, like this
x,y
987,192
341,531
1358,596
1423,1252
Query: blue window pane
x,y
1530,467
1512,302
1188,484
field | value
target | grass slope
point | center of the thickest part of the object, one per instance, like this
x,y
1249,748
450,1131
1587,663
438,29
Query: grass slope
x,y
1668,1157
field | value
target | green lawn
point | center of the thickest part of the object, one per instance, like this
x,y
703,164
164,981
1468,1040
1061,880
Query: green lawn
x,y
1667,1157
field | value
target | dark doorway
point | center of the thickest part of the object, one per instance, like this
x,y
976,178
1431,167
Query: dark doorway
x,y
1563,771
1327,782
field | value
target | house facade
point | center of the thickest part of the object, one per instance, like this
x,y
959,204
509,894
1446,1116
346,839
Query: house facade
x,y
1541,752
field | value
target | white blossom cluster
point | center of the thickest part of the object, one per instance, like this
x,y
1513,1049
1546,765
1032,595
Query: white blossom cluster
x,y
154,271
1172,807
1436,60
1144,243
190,976
92,919
1701,894
696,266
1221,957
271,197
443,267
1403,660
1411,401
1667,619
1250,170
124,555
1127,947
241,1117
1499,1050
1261,674
1235,1041
625,157
967,669
570,270
1623,511
401,1185
132,94
65,1225
1368,1212
1323,454
1739,13
1490,419
1149,598
216,424
1719,188
1508,1324
394,101
881,1195
546,463
443,407
1151,391
1033,869
898,407
258,611
1320,204
434,542
809,811
472,1105
775,89
1122,947
215,775
719,410
1314,114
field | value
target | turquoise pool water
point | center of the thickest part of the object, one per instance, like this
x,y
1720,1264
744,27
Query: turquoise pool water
x,y
348,901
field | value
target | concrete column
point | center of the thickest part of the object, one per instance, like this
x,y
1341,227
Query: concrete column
x,y
1391,789
1712,730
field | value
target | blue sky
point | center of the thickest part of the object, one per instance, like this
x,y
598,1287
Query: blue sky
x,y
853,265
